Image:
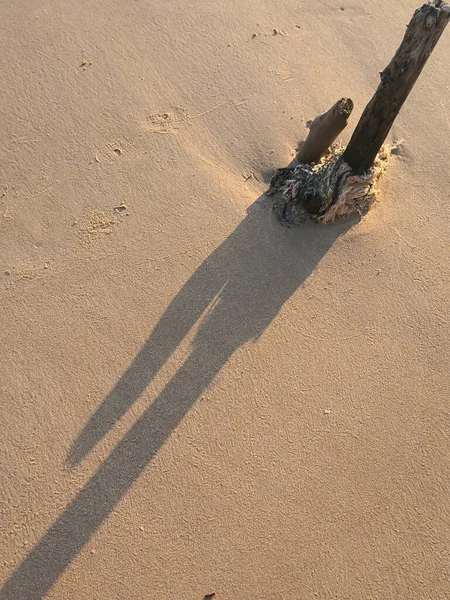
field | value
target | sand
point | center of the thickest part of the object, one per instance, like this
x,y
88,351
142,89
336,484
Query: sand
x,y
196,400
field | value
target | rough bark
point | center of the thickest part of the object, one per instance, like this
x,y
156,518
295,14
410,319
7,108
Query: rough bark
x,y
397,80
324,130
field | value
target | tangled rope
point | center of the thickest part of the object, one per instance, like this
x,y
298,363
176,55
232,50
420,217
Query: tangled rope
x,y
327,191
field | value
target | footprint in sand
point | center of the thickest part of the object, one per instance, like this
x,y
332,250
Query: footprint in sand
x,y
94,225
166,122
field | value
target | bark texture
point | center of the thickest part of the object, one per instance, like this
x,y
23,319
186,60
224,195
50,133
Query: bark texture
x,y
397,81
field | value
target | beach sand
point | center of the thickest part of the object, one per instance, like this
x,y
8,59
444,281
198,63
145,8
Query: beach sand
x,y
196,400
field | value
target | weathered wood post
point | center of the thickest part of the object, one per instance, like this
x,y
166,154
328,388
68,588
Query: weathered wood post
x,y
344,183
397,80
324,131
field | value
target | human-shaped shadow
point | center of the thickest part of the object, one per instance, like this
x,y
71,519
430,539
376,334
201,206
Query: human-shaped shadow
x,y
242,286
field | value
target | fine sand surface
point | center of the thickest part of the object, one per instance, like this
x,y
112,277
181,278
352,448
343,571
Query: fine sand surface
x,y
194,399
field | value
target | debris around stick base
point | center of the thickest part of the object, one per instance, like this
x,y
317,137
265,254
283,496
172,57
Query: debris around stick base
x,y
327,191
251,175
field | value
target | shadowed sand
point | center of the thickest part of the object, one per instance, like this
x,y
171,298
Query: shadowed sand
x,y
245,282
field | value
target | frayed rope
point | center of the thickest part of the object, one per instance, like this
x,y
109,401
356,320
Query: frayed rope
x,y
327,191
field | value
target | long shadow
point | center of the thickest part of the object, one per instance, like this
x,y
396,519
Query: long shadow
x,y
243,284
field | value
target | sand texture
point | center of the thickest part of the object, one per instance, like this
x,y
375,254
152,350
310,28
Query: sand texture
x,y
195,399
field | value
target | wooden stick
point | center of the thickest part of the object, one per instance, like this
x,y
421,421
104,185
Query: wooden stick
x,y
322,133
324,130
397,80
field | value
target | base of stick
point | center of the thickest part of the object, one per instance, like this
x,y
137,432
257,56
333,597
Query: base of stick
x,y
326,191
